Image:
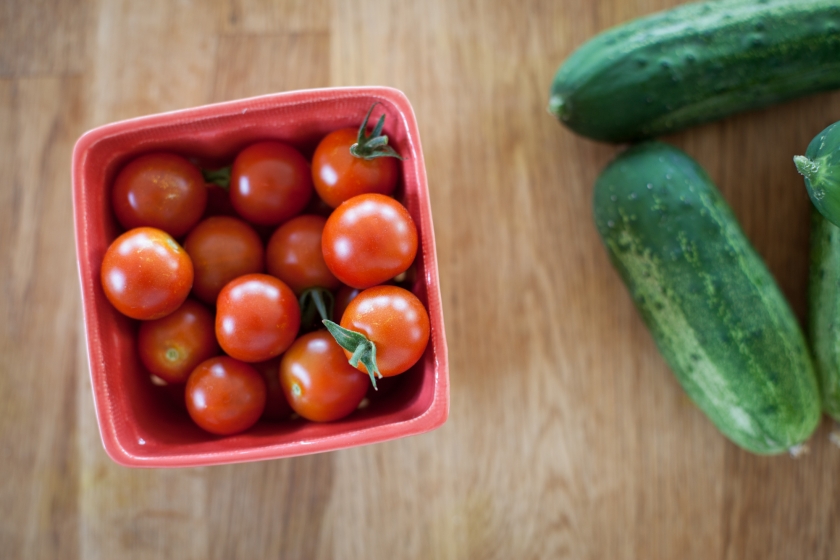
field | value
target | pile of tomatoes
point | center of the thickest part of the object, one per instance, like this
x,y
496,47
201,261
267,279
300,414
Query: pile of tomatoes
x,y
234,284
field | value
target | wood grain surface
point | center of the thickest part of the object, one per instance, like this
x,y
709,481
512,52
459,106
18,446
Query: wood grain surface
x,y
568,437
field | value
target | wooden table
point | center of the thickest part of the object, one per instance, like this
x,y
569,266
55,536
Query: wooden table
x,y
568,437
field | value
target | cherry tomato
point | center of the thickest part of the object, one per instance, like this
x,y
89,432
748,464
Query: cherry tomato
x,y
146,274
257,317
343,297
338,175
172,346
294,254
222,248
225,396
159,190
395,321
276,406
369,239
270,183
318,382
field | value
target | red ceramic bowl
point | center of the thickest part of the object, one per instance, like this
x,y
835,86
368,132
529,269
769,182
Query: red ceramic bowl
x,y
138,424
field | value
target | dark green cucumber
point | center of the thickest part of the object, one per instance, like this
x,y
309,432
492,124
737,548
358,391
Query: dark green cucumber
x,y
821,167
713,308
697,63
824,310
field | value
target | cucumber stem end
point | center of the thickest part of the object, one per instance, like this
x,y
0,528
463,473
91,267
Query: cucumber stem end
x,y
806,167
557,106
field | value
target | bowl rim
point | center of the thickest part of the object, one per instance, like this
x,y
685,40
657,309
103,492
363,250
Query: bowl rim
x,y
431,418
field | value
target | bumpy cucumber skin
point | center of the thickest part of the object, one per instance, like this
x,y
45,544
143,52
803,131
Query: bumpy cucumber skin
x,y
821,169
713,308
824,310
697,63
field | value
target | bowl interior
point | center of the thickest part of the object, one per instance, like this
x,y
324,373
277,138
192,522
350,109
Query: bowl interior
x,y
138,423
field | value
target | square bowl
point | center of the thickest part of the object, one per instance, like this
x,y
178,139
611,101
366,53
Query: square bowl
x,y
140,428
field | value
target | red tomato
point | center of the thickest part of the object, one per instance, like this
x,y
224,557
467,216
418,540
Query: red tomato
x,y
257,317
171,347
162,190
276,406
395,321
369,239
270,183
294,254
225,396
318,382
338,175
146,274
222,248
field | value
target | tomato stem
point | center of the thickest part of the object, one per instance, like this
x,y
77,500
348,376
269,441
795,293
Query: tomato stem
x,y
315,302
219,177
375,144
363,349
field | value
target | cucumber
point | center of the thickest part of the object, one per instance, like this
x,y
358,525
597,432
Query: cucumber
x,y
824,309
697,63
712,307
821,167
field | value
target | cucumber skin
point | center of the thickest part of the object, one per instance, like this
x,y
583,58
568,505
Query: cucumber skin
x,y
824,310
697,63
712,307
821,169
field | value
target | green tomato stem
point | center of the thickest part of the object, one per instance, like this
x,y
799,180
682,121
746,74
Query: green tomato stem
x,y
375,144
219,177
315,302
363,349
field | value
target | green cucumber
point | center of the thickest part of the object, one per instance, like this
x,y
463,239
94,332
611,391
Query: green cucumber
x,y
821,167
714,310
824,310
696,63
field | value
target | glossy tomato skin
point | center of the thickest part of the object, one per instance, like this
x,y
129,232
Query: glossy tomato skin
x,y
225,396
145,274
368,240
270,183
395,320
338,175
257,317
277,408
294,254
172,346
222,248
159,190
317,380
